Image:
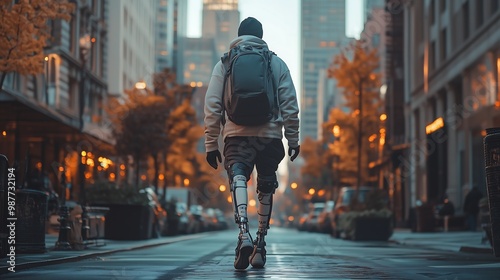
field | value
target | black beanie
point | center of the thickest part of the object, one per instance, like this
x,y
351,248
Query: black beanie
x,y
250,26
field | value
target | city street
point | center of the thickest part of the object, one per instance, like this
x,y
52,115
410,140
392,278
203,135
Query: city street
x,y
291,255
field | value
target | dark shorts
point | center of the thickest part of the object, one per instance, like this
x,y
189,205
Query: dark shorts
x,y
263,153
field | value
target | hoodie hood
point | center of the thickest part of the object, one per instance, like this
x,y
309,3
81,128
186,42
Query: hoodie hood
x,y
248,40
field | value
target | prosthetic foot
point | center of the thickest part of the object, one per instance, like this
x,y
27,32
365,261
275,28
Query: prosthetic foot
x,y
266,186
258,257
244,247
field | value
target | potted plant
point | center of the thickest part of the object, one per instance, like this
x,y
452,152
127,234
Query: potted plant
x,y
368,220
130,216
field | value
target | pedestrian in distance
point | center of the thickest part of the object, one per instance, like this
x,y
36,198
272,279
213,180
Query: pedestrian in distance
x,y
471,207
249,100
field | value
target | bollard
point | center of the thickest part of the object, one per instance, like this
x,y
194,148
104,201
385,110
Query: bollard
x,y
492,170
64,229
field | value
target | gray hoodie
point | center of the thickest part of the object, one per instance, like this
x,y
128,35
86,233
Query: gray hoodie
x,y
288,115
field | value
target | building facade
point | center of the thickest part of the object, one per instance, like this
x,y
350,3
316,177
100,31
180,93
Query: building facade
x,y
171,27
48,120
451,95
322,37
131,48
221,19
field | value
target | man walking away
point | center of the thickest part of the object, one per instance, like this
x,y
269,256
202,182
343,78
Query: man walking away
x,y
249,100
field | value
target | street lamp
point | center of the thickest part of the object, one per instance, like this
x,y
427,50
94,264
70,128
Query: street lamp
x,y
336,137
85,45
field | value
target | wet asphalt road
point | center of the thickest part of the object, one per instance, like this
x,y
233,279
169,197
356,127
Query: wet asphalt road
x,y
291,255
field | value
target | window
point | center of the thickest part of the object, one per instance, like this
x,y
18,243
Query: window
x,y
376,40
494,6
444,45
72,33
479,13
432,57
431,12
442,5
465,15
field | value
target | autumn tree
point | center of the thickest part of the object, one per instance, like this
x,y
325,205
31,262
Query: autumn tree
x,y
355,70
183,133
24,33
139,125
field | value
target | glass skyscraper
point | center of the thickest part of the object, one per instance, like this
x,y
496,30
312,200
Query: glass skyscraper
x,y
322,36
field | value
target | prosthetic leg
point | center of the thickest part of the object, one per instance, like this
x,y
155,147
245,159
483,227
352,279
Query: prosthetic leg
x,y
266,186
238,181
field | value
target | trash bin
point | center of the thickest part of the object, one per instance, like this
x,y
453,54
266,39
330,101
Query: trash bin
x,y
425,220
31,212
492,170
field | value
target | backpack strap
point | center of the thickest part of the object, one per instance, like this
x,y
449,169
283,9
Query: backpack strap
x,y
227,69
270,54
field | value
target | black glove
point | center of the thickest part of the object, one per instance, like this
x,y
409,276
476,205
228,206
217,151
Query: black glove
x,y
291,150
212,158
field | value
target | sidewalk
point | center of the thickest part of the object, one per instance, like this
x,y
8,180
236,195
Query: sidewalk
x,y
460,241
51,256
457,241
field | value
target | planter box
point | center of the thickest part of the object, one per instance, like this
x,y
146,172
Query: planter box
x,y
372,228
128,222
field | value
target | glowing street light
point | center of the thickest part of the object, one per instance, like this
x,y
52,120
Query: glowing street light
x,y
293,185
252,202
336,131
222,188
312,191
141,85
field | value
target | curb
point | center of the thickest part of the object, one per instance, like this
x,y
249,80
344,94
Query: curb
x,y
468,249
77,257
462,249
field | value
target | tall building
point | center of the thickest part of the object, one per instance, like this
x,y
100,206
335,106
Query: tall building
x,y
369,5
164,38
322,37
171,27
48,120
451,95
221,19
131,44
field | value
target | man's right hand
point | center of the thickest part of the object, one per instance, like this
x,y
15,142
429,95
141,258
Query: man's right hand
x,y
212,158
293,152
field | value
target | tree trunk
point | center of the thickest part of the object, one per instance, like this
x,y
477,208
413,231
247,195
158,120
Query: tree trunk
x,y
164,194
157,171
2,79
137,166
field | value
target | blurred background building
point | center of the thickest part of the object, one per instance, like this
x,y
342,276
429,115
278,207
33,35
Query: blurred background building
x,y
322,36
131,43
48,120
440,62
451,74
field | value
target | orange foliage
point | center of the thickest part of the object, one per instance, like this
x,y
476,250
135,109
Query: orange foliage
x,y
24,32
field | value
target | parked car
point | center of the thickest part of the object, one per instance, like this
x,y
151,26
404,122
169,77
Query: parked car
x,y
301,224
221,220
182,213
160,214
344,204
196,220
325,217
311,221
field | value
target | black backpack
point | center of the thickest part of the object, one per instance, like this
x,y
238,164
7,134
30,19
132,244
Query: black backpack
x,y
249,95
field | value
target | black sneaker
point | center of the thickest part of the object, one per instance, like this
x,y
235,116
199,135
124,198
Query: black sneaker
x,y
258,257
243,251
